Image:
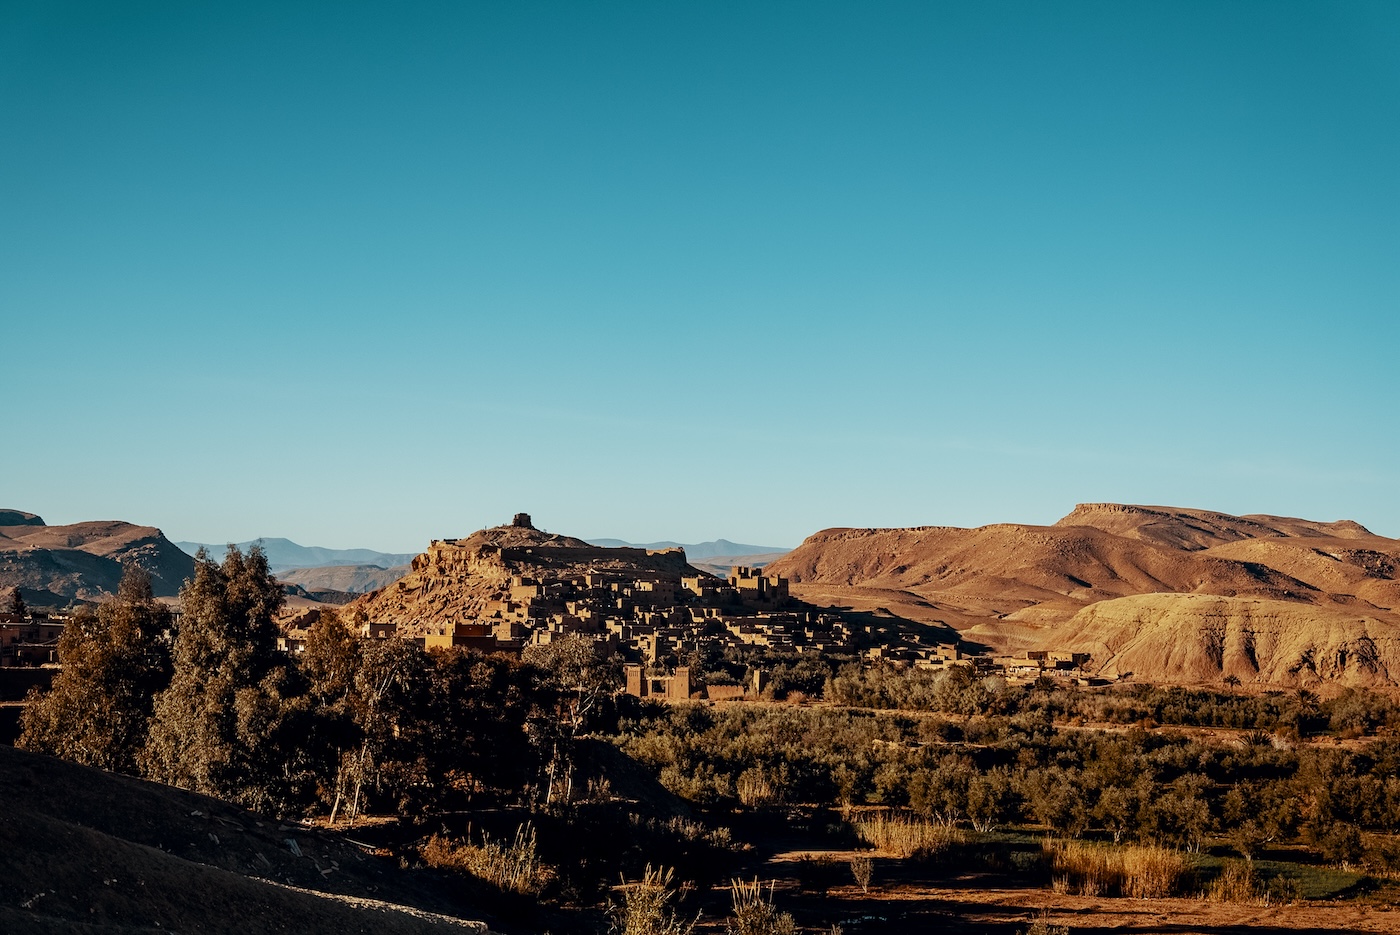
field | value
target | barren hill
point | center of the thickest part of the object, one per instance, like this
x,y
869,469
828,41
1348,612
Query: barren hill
x,y
82,850
1201,638
456,579
53,565
1015,586
1200,529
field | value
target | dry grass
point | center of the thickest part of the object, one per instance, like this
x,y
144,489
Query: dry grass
x,y
513,867
755,914
907,837
646,906
1043,926
1240,883
754,788
1237,883
1135,871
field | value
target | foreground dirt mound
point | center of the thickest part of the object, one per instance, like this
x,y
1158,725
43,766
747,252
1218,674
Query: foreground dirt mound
x,y
457,579
84,561
86,851
1013,587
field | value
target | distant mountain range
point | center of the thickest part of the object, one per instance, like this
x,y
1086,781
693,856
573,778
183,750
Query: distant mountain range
x,y
350,579
716,557
716,548
286,555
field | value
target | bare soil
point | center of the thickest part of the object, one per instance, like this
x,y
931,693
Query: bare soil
x,y
817,887
86,851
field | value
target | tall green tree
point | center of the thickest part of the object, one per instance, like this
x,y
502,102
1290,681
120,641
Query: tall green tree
x,y
329,664
115,661
392,707
214,726
581,681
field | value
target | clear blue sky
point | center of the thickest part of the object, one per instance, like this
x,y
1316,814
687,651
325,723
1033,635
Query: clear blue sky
x,y
362,274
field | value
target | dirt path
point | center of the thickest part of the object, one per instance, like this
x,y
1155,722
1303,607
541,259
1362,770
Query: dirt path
x,y
817,886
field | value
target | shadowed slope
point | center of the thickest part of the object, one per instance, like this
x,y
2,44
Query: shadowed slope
x,y
84,850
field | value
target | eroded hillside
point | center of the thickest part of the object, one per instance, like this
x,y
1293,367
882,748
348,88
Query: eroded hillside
x,y
1069,585
84,561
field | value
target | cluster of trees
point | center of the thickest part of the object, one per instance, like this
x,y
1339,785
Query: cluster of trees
x,y
1353,713
846,681
205,701
1151,786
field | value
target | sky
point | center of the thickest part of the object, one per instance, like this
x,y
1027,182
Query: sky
x,y
367,274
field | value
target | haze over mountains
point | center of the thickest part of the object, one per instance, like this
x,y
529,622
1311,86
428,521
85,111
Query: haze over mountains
x,y
716,548
319,570
284,554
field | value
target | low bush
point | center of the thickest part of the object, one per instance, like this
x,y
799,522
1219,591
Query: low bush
x,y
1240,882
862,869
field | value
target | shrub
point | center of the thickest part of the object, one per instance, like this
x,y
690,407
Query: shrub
x,y
862,869
1239,882
754,788
513,867
1045,927
756,915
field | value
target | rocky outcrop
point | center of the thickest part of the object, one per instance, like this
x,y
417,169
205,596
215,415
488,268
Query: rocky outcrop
x,y
459,579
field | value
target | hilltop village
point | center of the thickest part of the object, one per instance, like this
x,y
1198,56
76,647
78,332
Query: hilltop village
x,y
509,587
